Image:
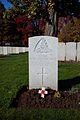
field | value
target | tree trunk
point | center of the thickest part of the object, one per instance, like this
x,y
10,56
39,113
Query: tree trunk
x,y
51,28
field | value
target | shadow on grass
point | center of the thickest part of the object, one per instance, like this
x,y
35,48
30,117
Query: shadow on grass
x,y
64,85
14,101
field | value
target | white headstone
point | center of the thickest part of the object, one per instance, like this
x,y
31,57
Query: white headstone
x,y
26,49
78,51
17,50
23,49
9,50
61,51
5,52
20,49
1,49
13,50
70,51
43,62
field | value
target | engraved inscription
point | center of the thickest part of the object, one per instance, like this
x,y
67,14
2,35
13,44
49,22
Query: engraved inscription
x,y
42,46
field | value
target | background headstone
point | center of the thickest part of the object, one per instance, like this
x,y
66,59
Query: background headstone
x,y
78,51
20,50
5,52
17,50
61,51
1,49
70,51
23,49
9,48
43,62
13,50
26,49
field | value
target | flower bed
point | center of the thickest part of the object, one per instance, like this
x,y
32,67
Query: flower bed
x,y
31,98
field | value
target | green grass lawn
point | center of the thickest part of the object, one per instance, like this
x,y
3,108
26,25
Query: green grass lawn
x,y
69,70
14,74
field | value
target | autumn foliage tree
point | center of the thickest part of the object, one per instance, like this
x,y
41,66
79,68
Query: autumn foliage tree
x,y
2,9
50,10
70,32
24,25
10,32
36,8
8,28
29,17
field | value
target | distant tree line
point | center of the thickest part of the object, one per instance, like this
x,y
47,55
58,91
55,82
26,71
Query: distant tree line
x,y
36,17
8,32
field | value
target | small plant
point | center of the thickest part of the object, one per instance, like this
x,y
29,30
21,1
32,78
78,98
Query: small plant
x,y
57,94
73,90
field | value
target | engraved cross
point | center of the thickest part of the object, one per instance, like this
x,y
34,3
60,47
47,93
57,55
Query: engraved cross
x,y
42,74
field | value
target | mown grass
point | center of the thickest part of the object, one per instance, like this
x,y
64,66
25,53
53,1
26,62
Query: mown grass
x,y
39,114
68,70
14,74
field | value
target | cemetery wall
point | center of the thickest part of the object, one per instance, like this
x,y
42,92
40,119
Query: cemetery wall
x,y
69,51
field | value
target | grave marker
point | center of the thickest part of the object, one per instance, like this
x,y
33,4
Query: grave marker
x,y
78,51
70,51
5,52
61,51
43,62
1,49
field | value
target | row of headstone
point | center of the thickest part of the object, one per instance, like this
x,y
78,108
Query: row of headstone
x,y
69,51
44,52
12,50
66,52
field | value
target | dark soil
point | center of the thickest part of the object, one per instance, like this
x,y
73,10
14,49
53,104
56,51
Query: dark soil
x,y
31,98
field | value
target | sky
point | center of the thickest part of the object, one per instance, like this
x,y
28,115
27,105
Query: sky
x,y
7,5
